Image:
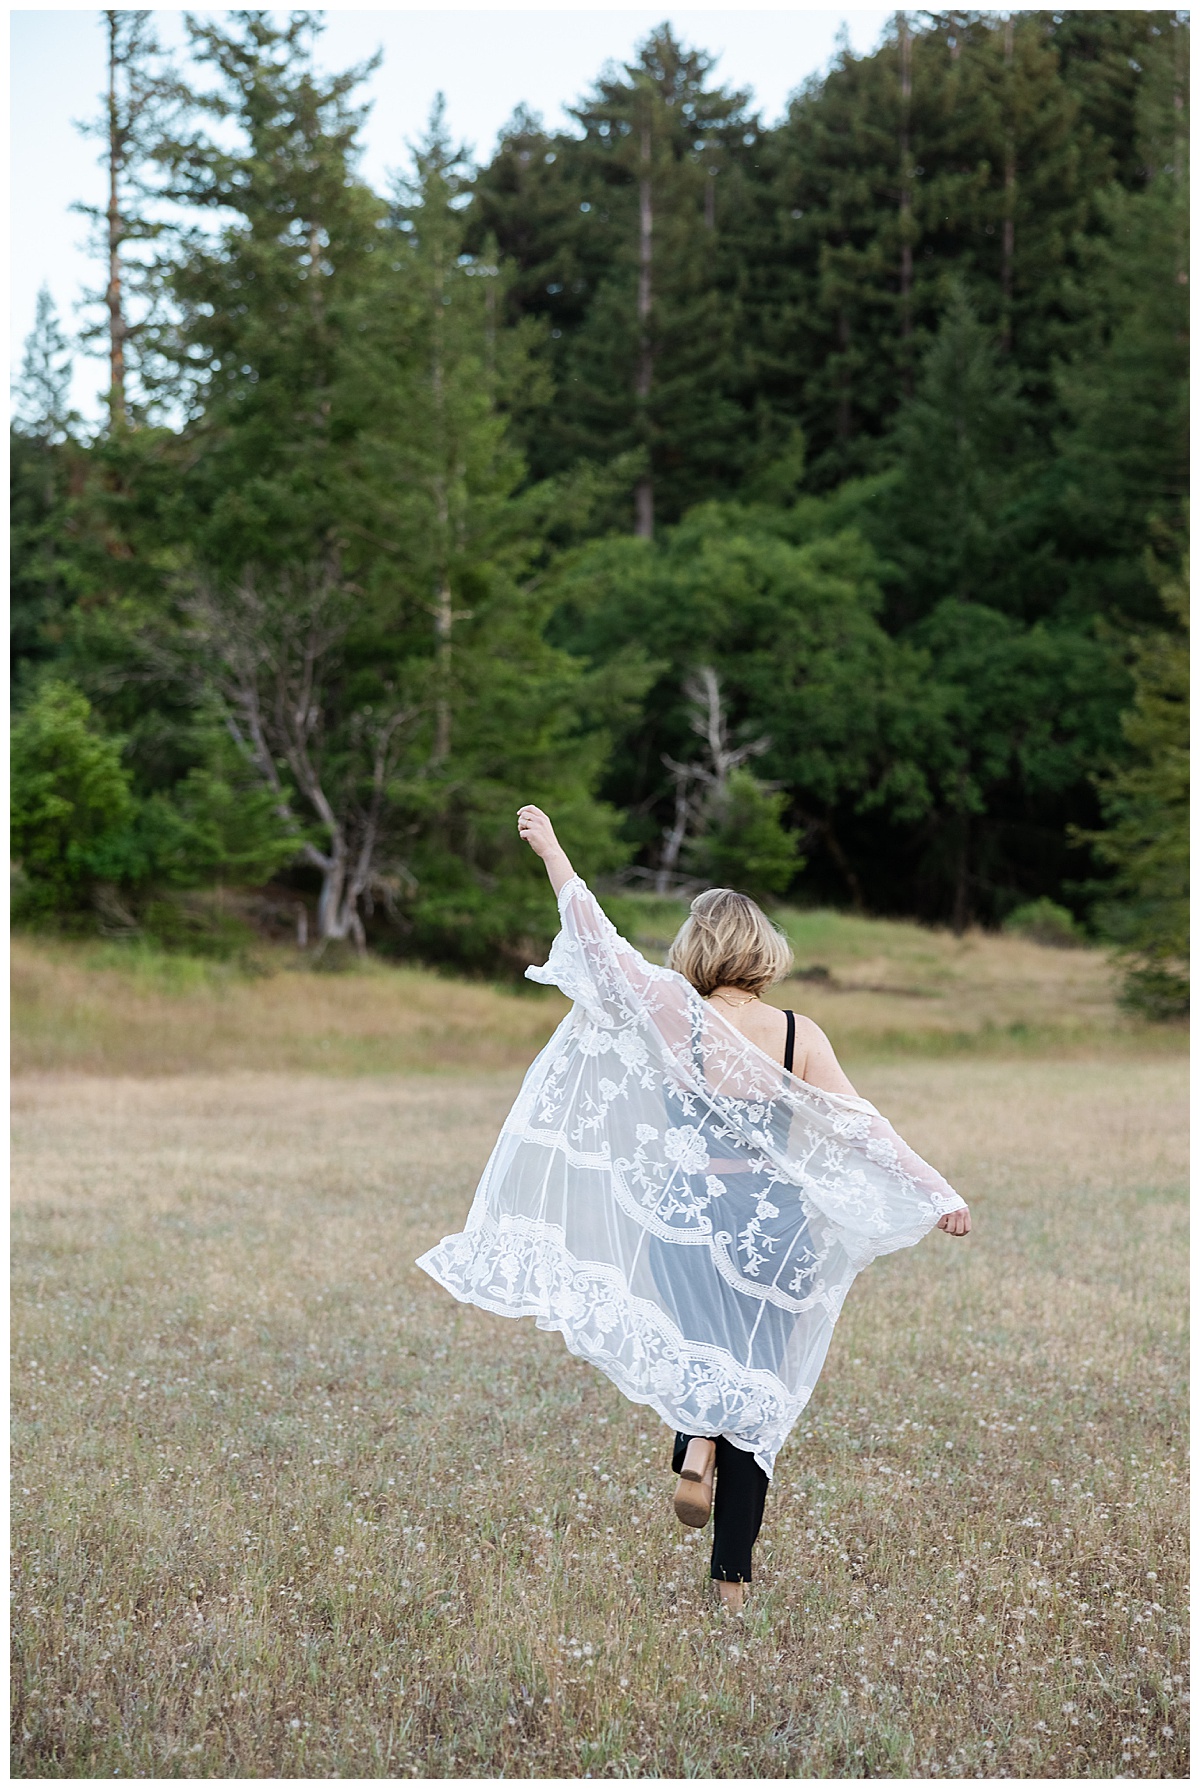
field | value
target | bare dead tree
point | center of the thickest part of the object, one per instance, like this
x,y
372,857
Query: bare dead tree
x,y
271,646
700,785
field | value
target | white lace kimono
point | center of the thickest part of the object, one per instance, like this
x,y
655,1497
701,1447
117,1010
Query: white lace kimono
x,y
685,1212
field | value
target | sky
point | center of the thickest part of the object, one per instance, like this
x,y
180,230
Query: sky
x,y
486,61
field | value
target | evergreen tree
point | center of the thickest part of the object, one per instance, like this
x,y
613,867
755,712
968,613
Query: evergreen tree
x,y
138,111
956,149
1122,467
1026,166
438,462
43,458
101,545
530,200
267,299
443,482
1147,806
42,410
839,233
1104,57
616,250
70,794
349,445
949,520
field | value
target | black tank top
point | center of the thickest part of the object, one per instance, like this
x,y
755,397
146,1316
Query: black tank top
x,y
789,1048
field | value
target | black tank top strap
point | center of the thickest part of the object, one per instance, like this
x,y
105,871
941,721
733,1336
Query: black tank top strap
x,y
790,1047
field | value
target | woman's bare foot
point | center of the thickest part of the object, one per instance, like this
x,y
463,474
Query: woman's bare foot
x,y
693,1498
732,1595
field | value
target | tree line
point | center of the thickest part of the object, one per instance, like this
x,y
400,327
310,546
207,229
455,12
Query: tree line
x,y
800,506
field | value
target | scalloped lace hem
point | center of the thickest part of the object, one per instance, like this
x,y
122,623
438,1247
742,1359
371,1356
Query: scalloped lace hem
x,y
519,1269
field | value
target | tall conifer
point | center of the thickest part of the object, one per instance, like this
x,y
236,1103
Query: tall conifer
x,y
643,340
267,298
139,108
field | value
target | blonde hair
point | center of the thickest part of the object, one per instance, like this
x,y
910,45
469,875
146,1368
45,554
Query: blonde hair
x,y
727,941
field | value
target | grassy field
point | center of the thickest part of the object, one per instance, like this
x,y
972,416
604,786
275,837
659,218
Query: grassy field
x,y
887,988
281,1507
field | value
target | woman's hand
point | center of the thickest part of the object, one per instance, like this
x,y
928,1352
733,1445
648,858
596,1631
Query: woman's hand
x,y
535,828
955,1223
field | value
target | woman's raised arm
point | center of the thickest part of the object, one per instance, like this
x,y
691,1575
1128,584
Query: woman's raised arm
x,y
535,828
589,959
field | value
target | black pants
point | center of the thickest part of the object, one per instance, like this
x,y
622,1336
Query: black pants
x,y
739,1497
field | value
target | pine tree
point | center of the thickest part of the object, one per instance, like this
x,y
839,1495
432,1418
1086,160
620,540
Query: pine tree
x,y
42,410
70,793
1147,806
450,469
1027,167
614,234
953,150
529,199
462,614
1103,56
349,519
266,301
949,521
139,110
1122,470
842,295
43,460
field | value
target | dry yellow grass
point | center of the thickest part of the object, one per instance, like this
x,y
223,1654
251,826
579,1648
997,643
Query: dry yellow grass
x,y
897,989
117,1011
281,1507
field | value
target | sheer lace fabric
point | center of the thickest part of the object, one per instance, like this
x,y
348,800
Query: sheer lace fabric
x,y
687,1214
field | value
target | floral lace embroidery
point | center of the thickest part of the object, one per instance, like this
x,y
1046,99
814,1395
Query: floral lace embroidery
x,y
685,1212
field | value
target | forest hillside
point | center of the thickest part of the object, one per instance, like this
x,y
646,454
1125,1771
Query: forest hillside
x,y
800,507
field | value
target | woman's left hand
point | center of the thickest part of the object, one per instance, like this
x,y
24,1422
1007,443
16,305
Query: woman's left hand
x,y
955,1223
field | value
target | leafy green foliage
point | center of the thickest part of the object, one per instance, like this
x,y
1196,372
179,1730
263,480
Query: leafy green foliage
x,y
964,435
77,821
71,799
1147,806
793,625
744,842
1045,922
875,415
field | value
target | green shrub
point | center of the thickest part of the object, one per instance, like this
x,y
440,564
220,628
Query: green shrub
x,y
1156,991
1045,922
71,800
745,844
82,839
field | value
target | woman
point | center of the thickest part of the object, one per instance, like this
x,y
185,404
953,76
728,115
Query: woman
x,y
685,1189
